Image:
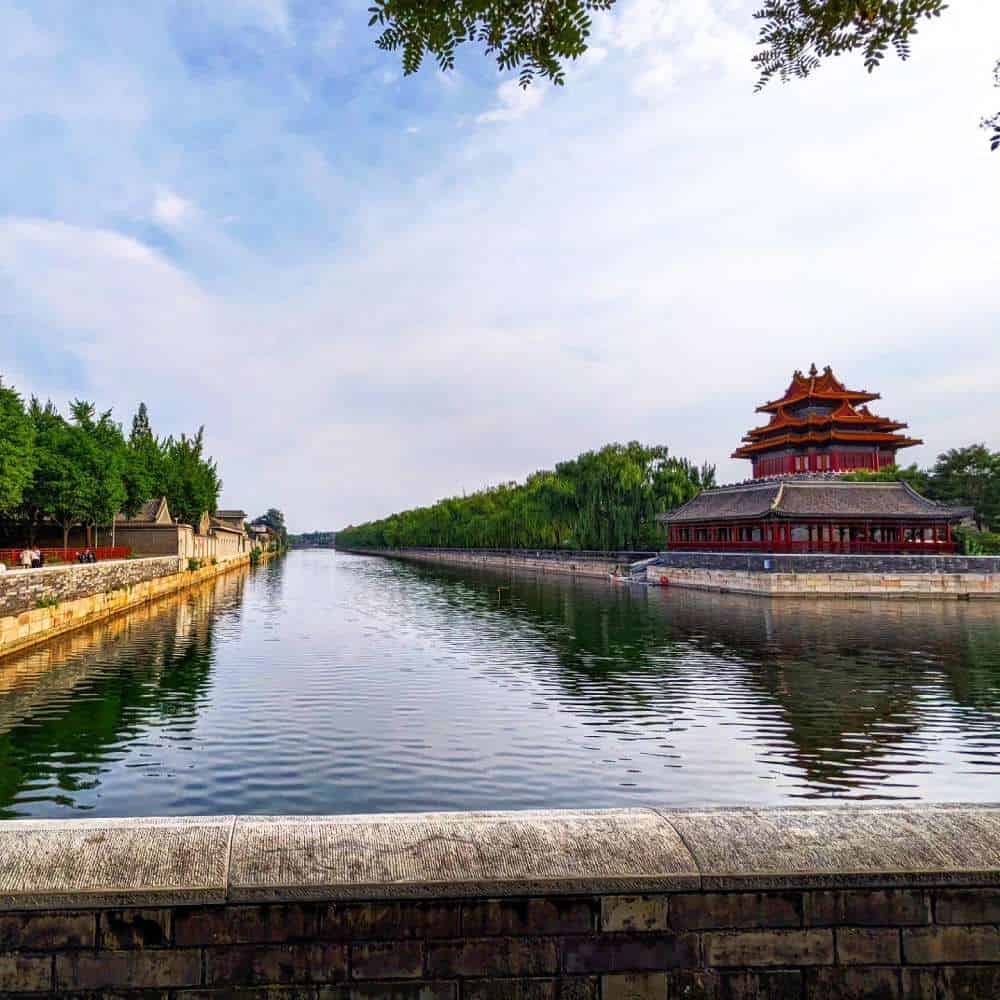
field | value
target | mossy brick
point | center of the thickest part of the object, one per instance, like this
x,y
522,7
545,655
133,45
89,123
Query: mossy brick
x,y
46,931
219,925
720,910
967,906
771,947
387,960
630,953
122,929
483,957
255,964
840,983
867,945
25,974
164,969
634,913
391,920
944,945
635,986
528,916
867,907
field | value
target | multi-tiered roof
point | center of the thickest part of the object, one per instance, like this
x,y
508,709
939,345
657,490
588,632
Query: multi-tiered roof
x,y
820,425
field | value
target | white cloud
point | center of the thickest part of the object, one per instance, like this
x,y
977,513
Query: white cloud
x,y
515,102
171,210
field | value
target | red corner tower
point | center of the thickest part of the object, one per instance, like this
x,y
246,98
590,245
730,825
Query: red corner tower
x,y
821,426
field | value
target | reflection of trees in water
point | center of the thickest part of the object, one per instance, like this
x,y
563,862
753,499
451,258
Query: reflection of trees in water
x,y
856,681
97,688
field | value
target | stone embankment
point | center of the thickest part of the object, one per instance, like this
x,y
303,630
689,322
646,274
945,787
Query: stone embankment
x,y
596,905
759,574
36,605
830,575
597,564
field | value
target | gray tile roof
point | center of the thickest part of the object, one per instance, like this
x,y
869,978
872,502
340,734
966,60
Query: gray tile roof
x,y
803,498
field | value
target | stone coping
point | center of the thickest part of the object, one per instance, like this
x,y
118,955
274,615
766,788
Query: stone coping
x,y
53,864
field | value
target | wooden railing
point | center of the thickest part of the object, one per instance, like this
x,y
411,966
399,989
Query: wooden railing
x,y
12,557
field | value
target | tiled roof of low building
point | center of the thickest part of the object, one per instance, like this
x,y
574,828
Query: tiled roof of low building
x,y
803,497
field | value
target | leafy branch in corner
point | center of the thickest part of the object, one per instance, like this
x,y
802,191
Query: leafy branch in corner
x,y
533,37
992,124
797,35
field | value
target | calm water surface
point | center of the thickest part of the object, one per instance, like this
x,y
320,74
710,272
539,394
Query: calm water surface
x,y
326,683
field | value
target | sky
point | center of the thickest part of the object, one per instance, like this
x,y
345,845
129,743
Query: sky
x,y
376,291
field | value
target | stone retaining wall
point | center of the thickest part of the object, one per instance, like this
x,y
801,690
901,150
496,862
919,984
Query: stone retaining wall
x,y
87,593
599,905
830,576
596,564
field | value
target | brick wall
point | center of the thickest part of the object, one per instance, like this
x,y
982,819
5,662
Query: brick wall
x,y
899,943
473,932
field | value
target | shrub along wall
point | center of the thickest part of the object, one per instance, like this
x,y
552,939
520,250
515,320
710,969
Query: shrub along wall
x,y
892,903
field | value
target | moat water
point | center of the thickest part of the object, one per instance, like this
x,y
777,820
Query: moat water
x,y
328,683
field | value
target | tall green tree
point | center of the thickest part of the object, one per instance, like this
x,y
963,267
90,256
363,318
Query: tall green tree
x,y
190,481
17,449
970,475
143,475
98,449
606,499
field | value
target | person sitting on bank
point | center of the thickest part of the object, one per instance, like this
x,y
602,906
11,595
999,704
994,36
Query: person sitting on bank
x,y
37,559
26,558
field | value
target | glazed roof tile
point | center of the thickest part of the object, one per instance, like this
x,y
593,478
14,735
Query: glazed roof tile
x,y
801,497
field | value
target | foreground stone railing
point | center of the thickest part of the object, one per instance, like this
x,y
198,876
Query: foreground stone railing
x,y
852,902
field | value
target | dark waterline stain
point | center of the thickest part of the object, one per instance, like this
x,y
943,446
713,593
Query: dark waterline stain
x,y
326,683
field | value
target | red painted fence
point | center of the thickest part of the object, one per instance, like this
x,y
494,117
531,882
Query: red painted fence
x,y
12,556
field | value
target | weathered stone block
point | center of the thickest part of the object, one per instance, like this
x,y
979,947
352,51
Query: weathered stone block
x,y
386,991
132,969
698,911
25,974
120,929
634,913
867,907
511,989
390,920
275,964
943,945
46,931
773,947
967,906
785,984
387,960
214,925
867,945
521,956
627,953
853,984
970,982
634,986
528,916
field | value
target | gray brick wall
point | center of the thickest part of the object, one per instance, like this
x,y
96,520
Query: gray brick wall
x,y
910,941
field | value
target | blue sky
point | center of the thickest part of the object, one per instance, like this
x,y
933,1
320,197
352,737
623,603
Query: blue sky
x,y
376,291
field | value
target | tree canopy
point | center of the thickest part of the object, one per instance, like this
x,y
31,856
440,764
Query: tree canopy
x,y
539,37
605,499
80,469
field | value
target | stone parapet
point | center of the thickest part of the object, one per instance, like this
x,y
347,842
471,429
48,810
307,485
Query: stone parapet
x,y
639,903
783,575
36,605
